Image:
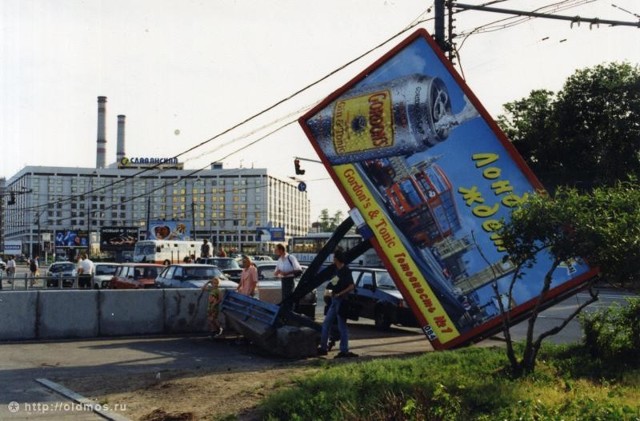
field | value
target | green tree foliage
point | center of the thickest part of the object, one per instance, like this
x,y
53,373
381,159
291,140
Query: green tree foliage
x,y
602,227
329,223
587,135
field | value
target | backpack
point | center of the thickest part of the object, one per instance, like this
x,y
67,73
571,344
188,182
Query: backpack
x,y
32,265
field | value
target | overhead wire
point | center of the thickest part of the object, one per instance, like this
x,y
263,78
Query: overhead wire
x,y
417,21
511,21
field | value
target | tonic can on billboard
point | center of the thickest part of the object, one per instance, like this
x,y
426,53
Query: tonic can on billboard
x,y
413,150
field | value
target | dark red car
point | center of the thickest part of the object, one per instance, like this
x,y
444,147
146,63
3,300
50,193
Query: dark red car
x,y
135,276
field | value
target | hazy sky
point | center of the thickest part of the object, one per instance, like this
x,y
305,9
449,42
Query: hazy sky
x,y
184,72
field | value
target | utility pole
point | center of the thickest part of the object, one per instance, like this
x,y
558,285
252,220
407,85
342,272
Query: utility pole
x,y
439,25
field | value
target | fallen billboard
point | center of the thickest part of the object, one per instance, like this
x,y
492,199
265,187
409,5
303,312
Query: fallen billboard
x,y
431,175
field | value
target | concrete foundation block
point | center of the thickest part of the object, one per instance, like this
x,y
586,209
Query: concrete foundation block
x,y
297,342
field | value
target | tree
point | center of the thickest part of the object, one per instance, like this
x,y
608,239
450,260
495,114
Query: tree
x,y
330,223
602,227
587,135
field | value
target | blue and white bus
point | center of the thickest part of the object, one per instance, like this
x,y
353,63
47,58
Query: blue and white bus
x,y
305,248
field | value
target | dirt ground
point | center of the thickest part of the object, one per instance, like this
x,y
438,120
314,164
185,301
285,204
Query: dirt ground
x,y
188,395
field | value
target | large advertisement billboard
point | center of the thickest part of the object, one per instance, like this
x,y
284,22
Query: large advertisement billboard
x,y
118,238
413,150
71,238
169,230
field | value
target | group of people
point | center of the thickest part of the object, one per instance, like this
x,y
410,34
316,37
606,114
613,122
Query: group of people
x,y
288,268
85,270
248,285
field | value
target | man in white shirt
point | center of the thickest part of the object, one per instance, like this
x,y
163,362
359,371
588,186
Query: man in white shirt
x,y
11,269
287,267
85,271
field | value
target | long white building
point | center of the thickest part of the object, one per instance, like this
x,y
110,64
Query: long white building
x,y
223,205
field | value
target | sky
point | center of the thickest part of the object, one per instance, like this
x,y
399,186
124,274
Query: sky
x,y
226,80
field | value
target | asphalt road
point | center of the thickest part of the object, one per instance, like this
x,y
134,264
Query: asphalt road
x,y
22,397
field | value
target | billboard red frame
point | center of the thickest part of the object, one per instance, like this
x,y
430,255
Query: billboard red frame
x,y
431,175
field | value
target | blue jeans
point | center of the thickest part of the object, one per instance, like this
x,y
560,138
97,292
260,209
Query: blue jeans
x,y
329,319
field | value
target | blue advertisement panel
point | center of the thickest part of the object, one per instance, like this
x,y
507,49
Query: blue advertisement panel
x,y
266,234
414,151
71,238
169,230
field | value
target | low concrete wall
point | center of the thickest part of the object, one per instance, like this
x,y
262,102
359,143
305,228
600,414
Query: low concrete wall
x,y
67,314
56,314
131,312
18,315
185,310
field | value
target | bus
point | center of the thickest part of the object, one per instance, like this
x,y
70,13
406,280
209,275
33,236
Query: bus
x,y
305,248
422,205
165,251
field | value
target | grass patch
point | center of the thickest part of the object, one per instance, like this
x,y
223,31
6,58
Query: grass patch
x,y
470,384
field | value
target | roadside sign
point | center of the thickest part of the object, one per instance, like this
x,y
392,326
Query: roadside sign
x,y
411,147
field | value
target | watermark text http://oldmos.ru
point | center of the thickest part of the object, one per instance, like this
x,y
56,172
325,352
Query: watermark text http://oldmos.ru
x,y
42,408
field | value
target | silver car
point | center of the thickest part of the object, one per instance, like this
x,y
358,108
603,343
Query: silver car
x,y
270,289
65,271
102,274
191,275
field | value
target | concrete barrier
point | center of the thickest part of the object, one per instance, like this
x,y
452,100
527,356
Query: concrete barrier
x,y
67,314
60,314
131,312
185,310
18,315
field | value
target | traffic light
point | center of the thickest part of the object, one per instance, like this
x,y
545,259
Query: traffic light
x,y
296,163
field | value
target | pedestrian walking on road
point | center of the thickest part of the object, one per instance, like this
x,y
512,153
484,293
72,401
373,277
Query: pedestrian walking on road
x,y
343,286
85,271
248,278
205,249
287,268
33,269
11,269
213,308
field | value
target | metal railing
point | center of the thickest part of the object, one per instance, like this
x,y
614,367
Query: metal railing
x,y
26,281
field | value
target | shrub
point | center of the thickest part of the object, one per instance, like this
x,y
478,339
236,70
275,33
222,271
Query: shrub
x,y
614,333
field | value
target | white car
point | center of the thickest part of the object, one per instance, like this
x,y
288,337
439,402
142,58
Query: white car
x,y
102,274
190,275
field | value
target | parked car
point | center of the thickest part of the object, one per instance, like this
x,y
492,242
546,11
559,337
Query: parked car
x,y
191,275
103,272
65,271
378,299
262,258
135,276
227,265
270,290
3,265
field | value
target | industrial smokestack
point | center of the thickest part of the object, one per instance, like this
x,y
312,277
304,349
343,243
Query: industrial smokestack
x,y
120,153
101,155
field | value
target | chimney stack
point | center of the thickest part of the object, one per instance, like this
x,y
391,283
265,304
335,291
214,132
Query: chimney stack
x,y
101,154
120,153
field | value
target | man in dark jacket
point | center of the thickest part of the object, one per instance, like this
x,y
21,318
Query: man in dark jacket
x,y
342,285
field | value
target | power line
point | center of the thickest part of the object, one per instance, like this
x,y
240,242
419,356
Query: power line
x,y
573,19
159,166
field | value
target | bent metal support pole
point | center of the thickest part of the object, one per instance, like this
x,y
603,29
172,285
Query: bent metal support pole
x,y
317,274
